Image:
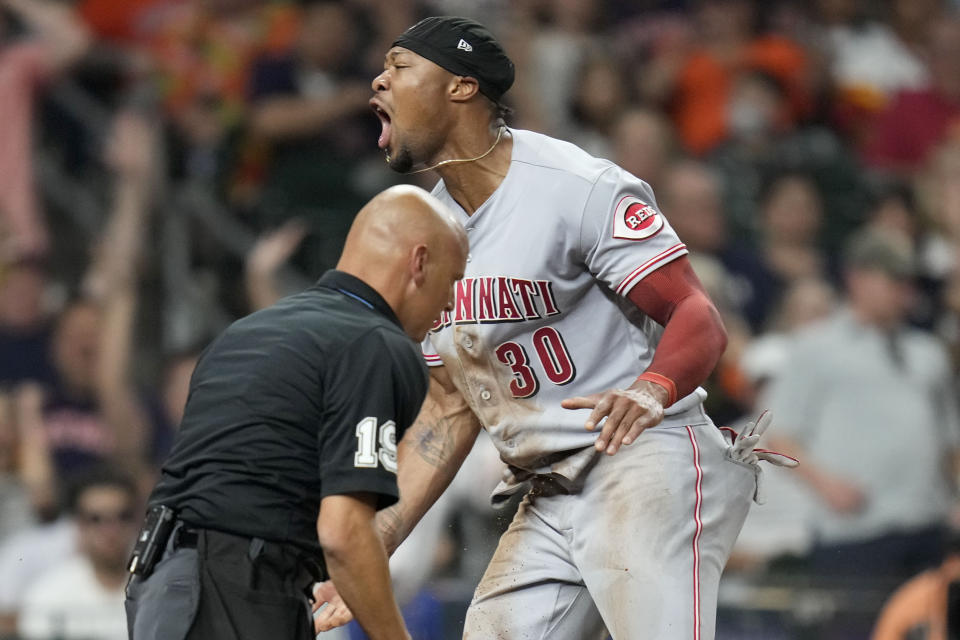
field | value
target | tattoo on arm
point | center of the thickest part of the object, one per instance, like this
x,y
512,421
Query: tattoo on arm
x,y
434,440
389,521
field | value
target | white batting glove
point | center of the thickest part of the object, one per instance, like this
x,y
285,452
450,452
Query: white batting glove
x,y
745,445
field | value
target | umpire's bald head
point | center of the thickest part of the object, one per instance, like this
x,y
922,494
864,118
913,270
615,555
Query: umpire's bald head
x,y
407,245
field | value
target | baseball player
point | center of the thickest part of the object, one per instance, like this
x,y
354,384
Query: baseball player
x,y
578,339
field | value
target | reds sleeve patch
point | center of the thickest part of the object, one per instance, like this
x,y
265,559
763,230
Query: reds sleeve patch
x,y
634,219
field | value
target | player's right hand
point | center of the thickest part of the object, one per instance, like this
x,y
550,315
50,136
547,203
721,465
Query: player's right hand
x,y
335,614
627,411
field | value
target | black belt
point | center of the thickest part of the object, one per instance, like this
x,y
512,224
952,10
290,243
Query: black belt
x,y
185,537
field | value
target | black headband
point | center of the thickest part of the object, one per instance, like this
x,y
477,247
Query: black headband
x,y
464,47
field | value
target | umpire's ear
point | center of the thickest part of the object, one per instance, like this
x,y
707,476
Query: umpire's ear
x,y
418,264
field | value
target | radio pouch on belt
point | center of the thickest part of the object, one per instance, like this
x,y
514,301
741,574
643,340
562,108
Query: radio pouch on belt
x,y
152,540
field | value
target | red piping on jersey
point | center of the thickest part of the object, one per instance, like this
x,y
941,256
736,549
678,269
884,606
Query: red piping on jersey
x,y
696,536
775,453
636,273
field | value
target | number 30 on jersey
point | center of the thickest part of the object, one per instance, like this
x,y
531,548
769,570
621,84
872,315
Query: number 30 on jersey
x,y
553,356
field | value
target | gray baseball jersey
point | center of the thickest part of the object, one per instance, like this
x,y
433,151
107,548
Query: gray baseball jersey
x,y
541,315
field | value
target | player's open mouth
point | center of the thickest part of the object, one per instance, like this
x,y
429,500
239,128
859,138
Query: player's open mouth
x,y
384,140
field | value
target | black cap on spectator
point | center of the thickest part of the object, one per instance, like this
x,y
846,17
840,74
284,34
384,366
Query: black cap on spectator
x,y
464,47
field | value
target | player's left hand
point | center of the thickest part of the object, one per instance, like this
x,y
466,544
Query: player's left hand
x,y
627,411
335,614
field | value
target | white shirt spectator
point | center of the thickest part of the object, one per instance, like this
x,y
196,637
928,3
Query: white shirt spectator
x,y
884,427
69,602
30,553
873,58
16,513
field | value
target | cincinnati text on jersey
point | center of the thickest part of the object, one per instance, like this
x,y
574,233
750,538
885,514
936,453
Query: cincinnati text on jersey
x,y
499,299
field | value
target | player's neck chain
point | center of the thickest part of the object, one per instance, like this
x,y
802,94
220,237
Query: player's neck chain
x,y
459,160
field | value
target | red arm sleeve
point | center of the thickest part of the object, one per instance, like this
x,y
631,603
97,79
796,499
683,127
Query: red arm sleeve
x,y
693,338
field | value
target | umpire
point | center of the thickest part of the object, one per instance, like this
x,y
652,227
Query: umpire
x,y
288,443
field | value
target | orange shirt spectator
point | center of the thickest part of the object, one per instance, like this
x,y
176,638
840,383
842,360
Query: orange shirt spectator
x,y
203,57
704,84
114,19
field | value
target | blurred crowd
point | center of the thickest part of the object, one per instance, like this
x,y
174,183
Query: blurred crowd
x,y
169,165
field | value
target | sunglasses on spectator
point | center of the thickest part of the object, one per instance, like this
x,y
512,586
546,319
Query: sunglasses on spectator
x,y
95,518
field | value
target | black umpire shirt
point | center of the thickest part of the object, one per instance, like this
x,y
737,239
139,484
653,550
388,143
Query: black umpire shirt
x,y
299,401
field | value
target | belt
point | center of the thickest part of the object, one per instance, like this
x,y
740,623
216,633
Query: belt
x,y
185,537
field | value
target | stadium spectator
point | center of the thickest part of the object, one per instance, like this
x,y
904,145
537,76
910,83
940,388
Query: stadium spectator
x,y
926,606
858,387
119,21
896,210
939,195
691,197
201,55
57,41
25,555
35,464
763,143
948,324
782,525
16,512
643,144
93,413
691,200
552,40
271,251
871,60
310,106
728,45
175,386
25,326
918,120
791,215
598,100
81,597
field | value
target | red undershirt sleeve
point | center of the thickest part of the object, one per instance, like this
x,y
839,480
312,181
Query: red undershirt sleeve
x,y
693,339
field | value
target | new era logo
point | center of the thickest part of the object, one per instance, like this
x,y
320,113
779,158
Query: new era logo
x,y
463,44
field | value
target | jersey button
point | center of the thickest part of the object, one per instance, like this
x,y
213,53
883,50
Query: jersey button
x,y
467,342
484,394
469,256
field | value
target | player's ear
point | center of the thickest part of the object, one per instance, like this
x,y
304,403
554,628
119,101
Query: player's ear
x,y
418,264
462,88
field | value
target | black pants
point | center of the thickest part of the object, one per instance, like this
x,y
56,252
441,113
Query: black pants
x,y
217,585
894,557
